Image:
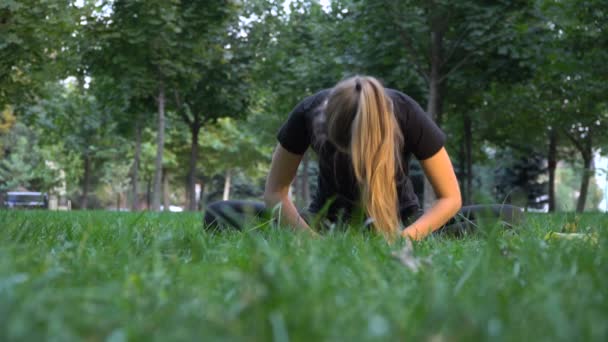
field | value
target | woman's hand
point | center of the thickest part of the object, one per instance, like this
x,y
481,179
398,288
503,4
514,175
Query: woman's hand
x,y
411,233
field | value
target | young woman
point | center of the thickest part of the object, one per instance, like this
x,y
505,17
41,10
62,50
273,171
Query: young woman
x,y
364,136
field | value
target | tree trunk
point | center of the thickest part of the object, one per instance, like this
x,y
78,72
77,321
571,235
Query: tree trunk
x,y
552,160
135,171
194,131
84,202
468,137
227,185
305,186
187,191
118,201
148,193
462,171
434,104
587,171
158,173
166,203
201,197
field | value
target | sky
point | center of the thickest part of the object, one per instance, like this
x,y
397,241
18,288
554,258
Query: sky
x,y
324,3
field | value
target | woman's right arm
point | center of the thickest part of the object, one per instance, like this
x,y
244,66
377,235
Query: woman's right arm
x,y
283,170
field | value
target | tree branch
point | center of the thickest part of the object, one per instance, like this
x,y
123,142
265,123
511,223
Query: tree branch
x,y
460,39
418,66
454,46
575,141
469,55
457,66
178,100
181,109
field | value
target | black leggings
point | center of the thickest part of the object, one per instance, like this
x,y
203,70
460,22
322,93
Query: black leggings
x,y
236,215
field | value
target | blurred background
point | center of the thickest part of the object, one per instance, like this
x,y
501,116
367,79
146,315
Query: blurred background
x,y
170,104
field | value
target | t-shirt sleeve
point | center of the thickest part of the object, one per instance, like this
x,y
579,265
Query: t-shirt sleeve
x,y
422,135
295,133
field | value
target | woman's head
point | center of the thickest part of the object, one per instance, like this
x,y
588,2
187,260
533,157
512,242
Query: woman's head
x,y
360,122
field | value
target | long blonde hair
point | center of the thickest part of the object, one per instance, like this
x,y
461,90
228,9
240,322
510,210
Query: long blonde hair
x,y
360,122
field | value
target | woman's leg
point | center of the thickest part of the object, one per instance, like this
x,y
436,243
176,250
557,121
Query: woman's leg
x,y
469,217
232,214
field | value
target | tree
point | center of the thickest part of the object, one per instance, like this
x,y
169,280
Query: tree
x,y
153,46
116,177
23,163
567,93
73,117
230,145
568,185
216,87
558,96
298,52
425,44
583,89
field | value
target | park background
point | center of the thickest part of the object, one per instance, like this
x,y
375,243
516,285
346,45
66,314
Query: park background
x,y
133,105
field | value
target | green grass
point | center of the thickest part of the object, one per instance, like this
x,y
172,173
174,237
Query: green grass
x,y
103,276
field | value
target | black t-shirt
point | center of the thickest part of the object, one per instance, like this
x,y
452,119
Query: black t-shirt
x,y
337,185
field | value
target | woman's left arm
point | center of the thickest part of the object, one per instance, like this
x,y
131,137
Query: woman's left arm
x,y
438,169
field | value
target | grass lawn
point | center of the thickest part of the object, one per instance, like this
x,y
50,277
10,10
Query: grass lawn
x,y
102,276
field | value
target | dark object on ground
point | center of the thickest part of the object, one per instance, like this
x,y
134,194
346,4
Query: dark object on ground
x,y
236,214
232,214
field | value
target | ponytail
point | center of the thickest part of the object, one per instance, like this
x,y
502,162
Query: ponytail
x,y
374,144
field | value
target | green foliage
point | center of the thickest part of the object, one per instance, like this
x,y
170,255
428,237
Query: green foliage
x,y
35,46
566,93
7,119
24,163
116,176
71,115
65,161
75,128
148,152
393,40
166,54
93,275
145,44
297,54
514,68
230,144
215,85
